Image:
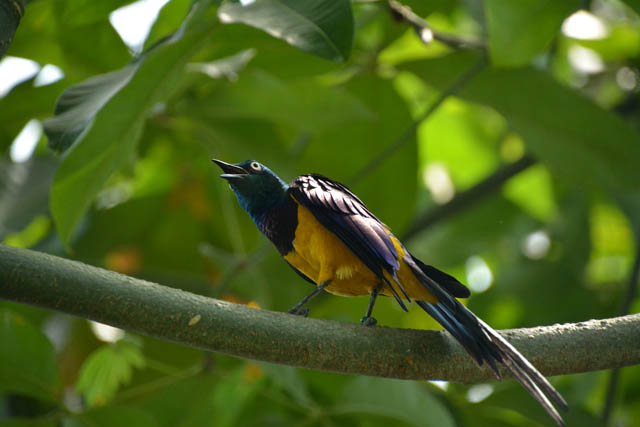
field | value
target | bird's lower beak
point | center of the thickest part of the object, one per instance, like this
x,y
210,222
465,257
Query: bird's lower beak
x,y
231,172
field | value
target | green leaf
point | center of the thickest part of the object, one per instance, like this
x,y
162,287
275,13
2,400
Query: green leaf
x,y
27,359
407,401
78,105
580,141
232,395
21,200
184,403
532,190
16,112
228,67
462,136
303,105
520,30
206,400
169,20
634,4
111,416
321,27
103,117
289,379
106,370
80,12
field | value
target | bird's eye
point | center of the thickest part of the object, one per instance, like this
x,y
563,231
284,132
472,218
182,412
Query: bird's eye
x,y
256,166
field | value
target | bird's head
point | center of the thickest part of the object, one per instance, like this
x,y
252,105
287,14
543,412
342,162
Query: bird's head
x,y
258,188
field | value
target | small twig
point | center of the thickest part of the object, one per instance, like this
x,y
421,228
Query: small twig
x,y
472,195
404,13
410,131
632,289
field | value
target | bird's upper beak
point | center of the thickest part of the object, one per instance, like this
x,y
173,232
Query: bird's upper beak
x,y
231,172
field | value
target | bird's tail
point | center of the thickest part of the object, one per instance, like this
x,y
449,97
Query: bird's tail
x,y
484,344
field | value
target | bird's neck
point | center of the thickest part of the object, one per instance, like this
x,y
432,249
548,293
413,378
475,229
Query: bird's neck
x,y
259,207
279,224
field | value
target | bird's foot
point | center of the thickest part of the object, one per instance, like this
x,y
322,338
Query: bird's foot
x,y
304,312
368,321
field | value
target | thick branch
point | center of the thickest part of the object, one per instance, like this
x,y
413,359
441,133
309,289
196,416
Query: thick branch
x,y
11,12
72,287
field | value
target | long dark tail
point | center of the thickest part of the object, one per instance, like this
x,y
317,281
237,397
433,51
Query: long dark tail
x,y
484,344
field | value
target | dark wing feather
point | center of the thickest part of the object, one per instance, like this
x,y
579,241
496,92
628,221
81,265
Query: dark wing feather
x,y
344,214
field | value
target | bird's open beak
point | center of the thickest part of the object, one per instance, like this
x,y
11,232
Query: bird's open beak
x,y
231,172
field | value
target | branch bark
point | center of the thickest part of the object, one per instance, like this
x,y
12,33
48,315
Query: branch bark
x,y
11,12
72,287
404,13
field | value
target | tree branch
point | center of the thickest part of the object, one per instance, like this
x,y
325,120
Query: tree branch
x,y
404,13
72,287
11,11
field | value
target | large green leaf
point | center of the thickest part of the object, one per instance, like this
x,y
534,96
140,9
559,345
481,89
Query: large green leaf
x,y
27,359
321,27
304,105
78,105
407,401
578,140
103,119
520,30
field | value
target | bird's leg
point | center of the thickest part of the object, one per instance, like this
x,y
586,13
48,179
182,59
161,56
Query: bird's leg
x,y
367,320
305,312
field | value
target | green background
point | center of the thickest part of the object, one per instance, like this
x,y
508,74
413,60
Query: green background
x,y
123,180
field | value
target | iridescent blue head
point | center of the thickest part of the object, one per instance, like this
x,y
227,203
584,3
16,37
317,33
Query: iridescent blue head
x,y
257,188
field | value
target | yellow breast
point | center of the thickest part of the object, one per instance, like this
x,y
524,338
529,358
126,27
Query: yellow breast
x,y
322,256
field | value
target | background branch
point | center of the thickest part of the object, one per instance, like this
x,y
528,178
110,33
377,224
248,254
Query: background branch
x,y
404,13
11,12
463,200
47,281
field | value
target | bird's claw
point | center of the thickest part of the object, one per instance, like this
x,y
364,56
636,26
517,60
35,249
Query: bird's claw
x,y
304,312
368,321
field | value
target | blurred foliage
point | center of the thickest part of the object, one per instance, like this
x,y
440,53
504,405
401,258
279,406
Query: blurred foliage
x,y
131,188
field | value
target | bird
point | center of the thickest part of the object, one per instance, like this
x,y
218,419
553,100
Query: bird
x,y
331,239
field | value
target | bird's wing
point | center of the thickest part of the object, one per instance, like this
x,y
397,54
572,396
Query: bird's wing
x,y
343,213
